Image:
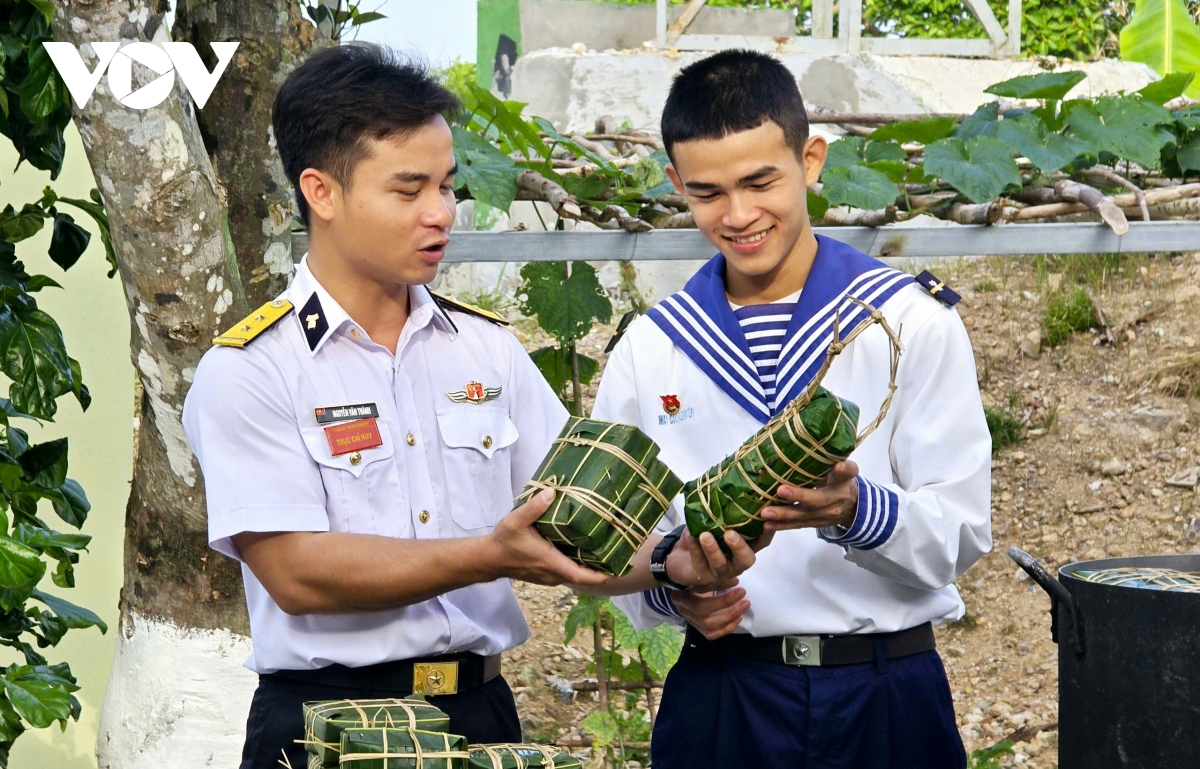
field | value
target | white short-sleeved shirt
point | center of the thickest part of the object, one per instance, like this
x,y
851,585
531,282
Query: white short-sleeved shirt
x,y
448,466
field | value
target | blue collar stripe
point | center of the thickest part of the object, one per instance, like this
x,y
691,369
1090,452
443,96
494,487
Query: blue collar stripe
x,y
692,321
806,335
667,319
702,319
875,295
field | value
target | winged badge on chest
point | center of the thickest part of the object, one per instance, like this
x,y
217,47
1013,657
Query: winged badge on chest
x,y
474,392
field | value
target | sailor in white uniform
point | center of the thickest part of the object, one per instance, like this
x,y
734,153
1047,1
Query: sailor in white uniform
x,y
823,655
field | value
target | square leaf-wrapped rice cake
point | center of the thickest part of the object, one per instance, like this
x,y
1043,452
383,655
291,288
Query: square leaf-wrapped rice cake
x,y
324,722
521,757
402,749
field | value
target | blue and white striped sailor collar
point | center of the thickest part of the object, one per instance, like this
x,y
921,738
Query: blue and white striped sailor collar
x,y
702,325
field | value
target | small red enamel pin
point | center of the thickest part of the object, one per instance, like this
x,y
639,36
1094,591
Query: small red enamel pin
x,y
670,404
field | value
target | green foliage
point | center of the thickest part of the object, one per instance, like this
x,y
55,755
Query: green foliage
x,y
1004,428
1163,35
1029,137
1044,85
1066,313
34,112
980,168
925,131
859,186
342,17
990,757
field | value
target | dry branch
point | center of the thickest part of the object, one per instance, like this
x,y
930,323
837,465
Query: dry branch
x,y
559,199
845,216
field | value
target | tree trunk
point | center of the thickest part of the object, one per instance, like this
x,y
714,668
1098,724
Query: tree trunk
x,y
178,694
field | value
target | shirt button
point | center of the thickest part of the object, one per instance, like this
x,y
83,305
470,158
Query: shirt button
x,y
356,333
424,516
356,459
412,439
487,441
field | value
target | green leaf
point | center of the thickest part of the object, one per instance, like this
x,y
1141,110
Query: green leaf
x,y
602,727
924,131
858,186
1163,35
584,613
32,354
487,173
1188,156
979,168
78,388
1046,85
74,506
1027,136
555,365
38,694
38,282
21,568
660,647
44,539
15,227
1172,86
896,170
565,307
817,205
888,150
520,135
546,127
45,7
95,209
68,242
45,464
1126,126
74,617
845,152
42,90
982,122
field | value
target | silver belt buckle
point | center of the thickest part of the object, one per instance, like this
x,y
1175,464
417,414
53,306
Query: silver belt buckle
x,y
802,650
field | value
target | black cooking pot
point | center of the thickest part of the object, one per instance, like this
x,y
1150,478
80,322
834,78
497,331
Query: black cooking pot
x,y
1128,666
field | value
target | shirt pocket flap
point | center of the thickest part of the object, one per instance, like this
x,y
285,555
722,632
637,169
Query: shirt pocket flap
x,y
318,446
482,428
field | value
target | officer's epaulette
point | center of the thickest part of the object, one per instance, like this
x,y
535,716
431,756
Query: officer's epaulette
x,y
626,319
254,324
937,289
446,303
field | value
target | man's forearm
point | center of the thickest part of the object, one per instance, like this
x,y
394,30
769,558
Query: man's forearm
x,y
333,572
635,581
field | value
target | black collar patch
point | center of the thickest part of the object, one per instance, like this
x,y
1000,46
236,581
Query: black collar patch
x,y
312,320
937,289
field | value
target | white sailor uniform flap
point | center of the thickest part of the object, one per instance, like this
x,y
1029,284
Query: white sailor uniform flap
x,y
701,323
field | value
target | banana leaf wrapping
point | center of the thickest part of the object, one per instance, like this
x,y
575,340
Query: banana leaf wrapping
x,y
521,757
325,721
798,447
610,491
797,450
384,748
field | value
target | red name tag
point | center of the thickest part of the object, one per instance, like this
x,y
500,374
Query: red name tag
x,y
353,436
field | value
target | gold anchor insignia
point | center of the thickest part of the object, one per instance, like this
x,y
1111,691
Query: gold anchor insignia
x,y
311,321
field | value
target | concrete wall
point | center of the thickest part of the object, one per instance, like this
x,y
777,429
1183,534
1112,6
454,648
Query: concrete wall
x,y
604,26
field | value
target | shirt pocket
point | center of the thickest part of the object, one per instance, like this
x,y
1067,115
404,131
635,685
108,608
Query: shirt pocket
x,y
476,455
358,496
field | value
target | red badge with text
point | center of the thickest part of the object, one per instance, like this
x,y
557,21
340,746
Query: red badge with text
x,y
670,404
353,436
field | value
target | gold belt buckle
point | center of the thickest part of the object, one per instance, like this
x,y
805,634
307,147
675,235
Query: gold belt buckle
x,y
432,678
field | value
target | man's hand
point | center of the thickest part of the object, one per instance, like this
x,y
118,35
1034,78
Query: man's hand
x,y
702,563
713,614
833,503
520,552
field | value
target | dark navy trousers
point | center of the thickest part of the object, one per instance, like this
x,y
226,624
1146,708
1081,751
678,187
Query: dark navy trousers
x,y
724,709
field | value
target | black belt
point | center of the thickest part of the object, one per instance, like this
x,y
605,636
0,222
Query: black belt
x,y
821,650
445,674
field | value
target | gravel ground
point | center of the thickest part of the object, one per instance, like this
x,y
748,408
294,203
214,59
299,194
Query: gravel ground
x,y
1088,478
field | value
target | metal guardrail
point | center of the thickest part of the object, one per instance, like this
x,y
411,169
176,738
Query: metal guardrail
x,y
937,241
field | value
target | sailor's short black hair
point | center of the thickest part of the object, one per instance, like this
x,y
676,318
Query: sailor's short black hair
x,y
332,103
733,91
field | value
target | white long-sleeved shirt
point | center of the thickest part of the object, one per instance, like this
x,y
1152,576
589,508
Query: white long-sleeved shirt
x,y
924,489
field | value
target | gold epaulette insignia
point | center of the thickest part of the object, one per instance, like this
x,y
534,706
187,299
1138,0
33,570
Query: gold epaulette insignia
x,y
470,309
254,324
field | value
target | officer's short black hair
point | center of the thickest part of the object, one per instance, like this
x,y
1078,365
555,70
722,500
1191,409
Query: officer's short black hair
x,y
733,91
326,110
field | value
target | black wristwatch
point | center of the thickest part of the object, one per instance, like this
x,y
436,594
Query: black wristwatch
x,y
658,560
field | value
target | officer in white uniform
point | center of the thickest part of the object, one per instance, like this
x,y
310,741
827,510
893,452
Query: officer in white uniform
x,y
823,655
362,441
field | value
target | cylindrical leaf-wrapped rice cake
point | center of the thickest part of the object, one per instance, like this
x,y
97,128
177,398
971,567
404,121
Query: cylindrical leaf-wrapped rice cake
x,y
325,721
798,447
520,757
402,749
611,489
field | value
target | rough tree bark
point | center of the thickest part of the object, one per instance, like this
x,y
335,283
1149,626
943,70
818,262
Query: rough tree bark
x,y
178,694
